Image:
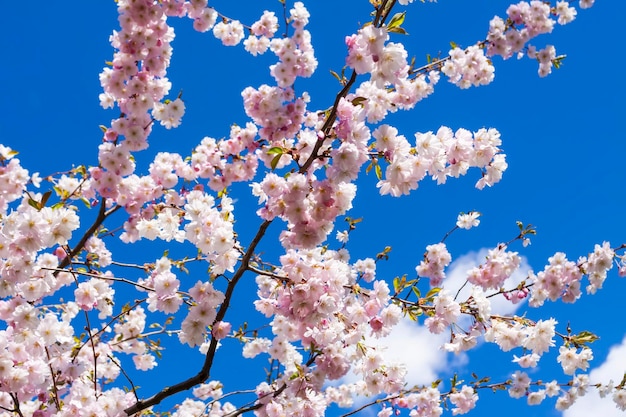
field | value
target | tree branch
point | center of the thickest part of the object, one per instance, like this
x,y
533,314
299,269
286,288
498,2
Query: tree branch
x,y
204,373
328,124
102,215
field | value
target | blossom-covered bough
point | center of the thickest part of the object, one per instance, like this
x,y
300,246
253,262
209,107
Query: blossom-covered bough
x,y
65,333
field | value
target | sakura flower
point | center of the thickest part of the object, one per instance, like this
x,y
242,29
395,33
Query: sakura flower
x,y
468,220
169,114
464,400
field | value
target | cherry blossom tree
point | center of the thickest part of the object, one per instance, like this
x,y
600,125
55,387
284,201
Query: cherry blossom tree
x,y
81,328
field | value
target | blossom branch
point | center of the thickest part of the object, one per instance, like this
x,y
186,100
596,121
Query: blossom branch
x,y
204,372
325,130
103,213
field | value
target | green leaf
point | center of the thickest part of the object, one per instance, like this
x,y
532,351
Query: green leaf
x,y
453,44
275,160
416,291
276,150
358,101
584,338
384,254
433,292
86,202
402,282
61,193
396,21
379,172
34,204
399,31
558,61
45,197
396,285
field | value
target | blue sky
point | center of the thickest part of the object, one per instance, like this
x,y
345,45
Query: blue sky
x,y
563,136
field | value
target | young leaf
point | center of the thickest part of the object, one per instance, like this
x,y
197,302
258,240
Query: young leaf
x,y
275,160
45,198
399,31
276,150
396,21
433,292
34,204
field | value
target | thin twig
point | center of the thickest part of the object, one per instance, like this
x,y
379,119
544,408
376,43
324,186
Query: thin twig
x,y
125,374
54,381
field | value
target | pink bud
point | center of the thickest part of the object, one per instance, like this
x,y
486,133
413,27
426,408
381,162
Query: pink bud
x,y
60,253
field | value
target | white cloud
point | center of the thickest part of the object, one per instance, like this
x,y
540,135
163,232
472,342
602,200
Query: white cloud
x,y
591,404
417,348
457,274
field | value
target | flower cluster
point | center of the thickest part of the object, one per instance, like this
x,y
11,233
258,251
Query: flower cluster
x,y
211,230
468,67
136,80
296,55
368,52
432,266
276,110
535,337
498,266
390,86
311,300
571,360
464,400
309,206
202,313
444,154
524,22
165,284
561,278
13,178
23,233
262,31
447,312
